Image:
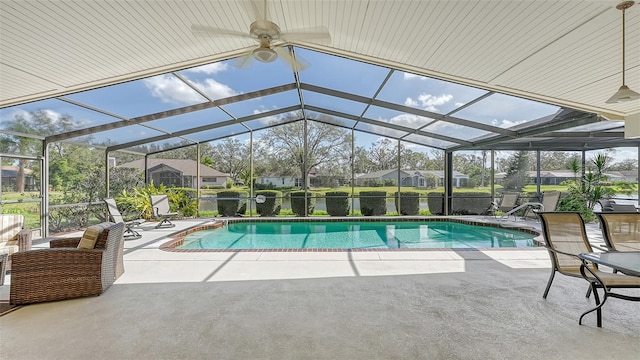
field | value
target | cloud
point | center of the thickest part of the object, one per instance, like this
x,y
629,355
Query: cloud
x,y
170,89
505,123
409,120
410,76
51,114
410,102
428,102
210,69
273,119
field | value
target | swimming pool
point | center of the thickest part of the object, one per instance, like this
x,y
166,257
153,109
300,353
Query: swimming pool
x,y
354,235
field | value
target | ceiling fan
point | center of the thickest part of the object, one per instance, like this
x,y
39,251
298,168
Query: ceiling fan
x,y
270,38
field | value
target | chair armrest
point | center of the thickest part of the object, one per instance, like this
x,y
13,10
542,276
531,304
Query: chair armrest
x,y
42,259
602,248
65,243
24,240
561,252
132,217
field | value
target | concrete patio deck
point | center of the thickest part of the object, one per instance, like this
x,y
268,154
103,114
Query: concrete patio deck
x,y
442,304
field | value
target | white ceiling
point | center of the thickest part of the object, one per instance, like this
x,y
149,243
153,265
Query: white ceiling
x,y
563,52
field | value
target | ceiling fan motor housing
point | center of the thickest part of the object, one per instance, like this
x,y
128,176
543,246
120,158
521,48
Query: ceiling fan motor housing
x,y
264,28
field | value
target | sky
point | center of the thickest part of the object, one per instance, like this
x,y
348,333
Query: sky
x,y
224,79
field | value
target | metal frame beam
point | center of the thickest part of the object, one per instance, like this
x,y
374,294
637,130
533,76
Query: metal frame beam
x,y
173,112
202,128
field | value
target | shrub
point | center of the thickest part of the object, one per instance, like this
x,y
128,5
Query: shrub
x,y
184,201
389,182
470,203
139,200
337,203
297,202
409,203
464,203
231,204
435,201
272,204
373,203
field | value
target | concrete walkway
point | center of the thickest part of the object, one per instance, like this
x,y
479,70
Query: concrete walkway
x,y
442,304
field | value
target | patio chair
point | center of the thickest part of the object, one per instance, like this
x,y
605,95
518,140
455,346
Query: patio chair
x,y
606,205
162,210
508,202
116,217
70,268
550,200
565,237
624,208
620,230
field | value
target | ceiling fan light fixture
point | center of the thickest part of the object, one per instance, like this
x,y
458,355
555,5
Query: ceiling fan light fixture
x,y
624,93
265,55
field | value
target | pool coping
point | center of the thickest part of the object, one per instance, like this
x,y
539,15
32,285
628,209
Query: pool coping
x,y
178,238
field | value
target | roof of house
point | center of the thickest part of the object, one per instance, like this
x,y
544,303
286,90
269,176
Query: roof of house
x,y
380,173
186,166
440,173
12,170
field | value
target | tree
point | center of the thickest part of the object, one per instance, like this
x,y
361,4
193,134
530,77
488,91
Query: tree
x,y
383,154
39,122
230,156
627,164
517,175
585,190
414,160
325,143
362,164
556,160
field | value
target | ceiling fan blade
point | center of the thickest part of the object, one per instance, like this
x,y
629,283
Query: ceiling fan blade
x,y
318,34
243,61
295,64
203,30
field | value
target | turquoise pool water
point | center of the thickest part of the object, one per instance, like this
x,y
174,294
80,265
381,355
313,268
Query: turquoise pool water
x,y
355,235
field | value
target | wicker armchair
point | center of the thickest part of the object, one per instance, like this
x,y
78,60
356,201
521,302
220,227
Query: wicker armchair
x,y
64,271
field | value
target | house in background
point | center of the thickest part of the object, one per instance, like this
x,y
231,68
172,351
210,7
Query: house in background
x,y
279,181
620,175
435,178
413,178
381,177
179,173
8,179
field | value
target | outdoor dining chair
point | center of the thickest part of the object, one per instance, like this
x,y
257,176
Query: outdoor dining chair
x,y
620,230
565,238
162,210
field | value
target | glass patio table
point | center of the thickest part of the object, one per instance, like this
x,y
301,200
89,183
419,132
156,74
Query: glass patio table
x,y
627,262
